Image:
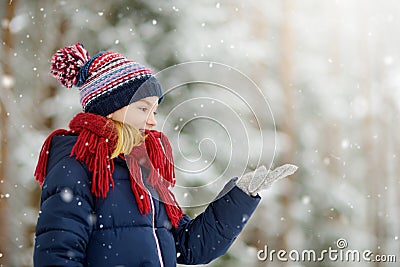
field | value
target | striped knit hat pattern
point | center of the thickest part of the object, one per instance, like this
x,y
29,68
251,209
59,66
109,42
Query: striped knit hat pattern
x,y
107,82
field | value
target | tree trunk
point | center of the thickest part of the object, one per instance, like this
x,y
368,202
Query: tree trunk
x,y
288,125
6,89
370,150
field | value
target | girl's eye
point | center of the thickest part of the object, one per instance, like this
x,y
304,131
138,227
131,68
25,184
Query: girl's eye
x,y
143,109
155,113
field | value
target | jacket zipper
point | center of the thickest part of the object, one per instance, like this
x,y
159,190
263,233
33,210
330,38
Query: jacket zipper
x,y
153,226
154,232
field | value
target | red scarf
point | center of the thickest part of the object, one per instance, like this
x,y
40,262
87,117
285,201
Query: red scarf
x,y
97,139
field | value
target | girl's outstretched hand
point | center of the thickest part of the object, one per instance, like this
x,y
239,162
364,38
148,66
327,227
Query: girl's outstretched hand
x,y
262,178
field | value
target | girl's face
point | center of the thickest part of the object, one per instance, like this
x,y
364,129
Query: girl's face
x,y
139,114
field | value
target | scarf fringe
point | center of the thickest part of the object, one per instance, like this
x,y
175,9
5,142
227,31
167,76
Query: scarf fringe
x,y
156,155
90,148
97,138
174,211
138,187
163,163
41,167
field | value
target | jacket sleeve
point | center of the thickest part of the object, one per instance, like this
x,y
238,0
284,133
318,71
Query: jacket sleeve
x,y
211,233
65,217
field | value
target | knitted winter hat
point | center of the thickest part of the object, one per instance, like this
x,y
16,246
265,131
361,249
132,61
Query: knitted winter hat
x,y
107,82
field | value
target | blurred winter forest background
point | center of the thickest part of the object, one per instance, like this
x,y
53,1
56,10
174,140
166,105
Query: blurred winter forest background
x,y
317,84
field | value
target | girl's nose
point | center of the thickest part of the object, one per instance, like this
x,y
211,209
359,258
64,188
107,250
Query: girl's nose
x,y
151,120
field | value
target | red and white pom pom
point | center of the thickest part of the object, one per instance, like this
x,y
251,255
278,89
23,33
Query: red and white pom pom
x,y
66,63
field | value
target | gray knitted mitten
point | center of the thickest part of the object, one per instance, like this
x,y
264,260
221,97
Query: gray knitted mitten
x,y
262,178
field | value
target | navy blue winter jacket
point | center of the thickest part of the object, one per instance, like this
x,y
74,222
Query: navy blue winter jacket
x,y
77,229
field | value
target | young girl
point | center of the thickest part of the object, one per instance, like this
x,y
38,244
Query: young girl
x,y
94,211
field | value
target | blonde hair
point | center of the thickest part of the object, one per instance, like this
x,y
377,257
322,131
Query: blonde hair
x,y
128,137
